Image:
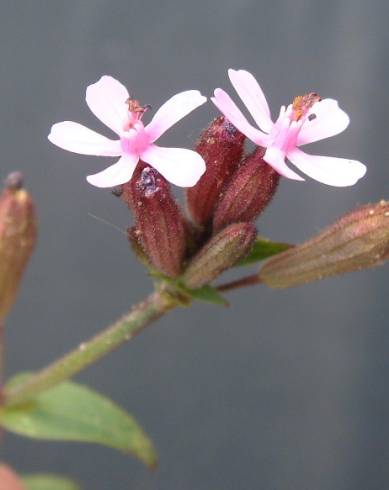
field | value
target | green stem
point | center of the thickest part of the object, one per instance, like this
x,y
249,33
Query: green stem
x,y
91,351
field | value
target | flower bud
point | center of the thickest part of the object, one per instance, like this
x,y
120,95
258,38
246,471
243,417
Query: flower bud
x,y
159,224
17,238
356,241
250,190
219,254
221,146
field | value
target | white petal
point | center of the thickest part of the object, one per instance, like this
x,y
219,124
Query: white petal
x,y
253,97
276,158
228,107
107,100
329,120
74,137
172,111
339,172
179,166
118,173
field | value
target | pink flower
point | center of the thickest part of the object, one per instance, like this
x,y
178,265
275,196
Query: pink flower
x,y
307,120
109,101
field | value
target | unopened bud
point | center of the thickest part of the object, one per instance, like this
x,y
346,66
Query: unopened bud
x,y
17,238
219,254
159,224
250,190
356,241
221,146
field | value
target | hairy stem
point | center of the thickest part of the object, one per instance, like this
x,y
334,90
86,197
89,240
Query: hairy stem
x,y
240,283
87,353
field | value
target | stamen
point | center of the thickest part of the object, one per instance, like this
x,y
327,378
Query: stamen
x,y
135,108
302,104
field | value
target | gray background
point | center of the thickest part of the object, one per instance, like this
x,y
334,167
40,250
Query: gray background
x,y
284,390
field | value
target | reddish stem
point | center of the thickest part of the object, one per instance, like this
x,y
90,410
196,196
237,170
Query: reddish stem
x,y
240,283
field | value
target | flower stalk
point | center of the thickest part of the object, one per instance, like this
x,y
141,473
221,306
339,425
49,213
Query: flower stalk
x,y
87,353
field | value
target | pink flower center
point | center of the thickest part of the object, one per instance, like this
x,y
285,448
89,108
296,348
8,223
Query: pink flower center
x,y
134,138
290,121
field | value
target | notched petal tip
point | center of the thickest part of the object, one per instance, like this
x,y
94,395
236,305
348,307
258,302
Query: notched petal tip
x,y
107,78
195,94
232,72
358,169
238,71
50,135
108,82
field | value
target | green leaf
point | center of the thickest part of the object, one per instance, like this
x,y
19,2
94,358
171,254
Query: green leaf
x,y
48,482
207,294
72,412
262,249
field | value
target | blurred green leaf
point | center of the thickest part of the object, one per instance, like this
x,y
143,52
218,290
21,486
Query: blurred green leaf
x,y
207,294
72,412
262,249
48,482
